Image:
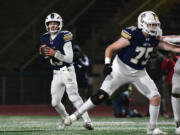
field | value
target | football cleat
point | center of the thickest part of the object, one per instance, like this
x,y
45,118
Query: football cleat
x,y
61,126
67,121
88,125
152,130
177,131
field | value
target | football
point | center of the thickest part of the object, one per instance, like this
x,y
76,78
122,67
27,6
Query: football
x,y
43,49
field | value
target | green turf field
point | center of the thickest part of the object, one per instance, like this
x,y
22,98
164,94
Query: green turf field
x,y
47,125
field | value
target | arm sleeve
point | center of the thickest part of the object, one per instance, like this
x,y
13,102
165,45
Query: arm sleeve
x,y
172,40
68,53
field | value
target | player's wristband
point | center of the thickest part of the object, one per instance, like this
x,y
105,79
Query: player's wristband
x,y
107,60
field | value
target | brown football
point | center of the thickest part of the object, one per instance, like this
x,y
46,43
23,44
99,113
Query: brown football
x,y
43,48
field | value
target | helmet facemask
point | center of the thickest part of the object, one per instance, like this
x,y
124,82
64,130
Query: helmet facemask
x,y
53,27
151,29
149,23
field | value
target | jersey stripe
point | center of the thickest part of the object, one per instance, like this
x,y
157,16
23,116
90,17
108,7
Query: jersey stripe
x,y
125,35
68,37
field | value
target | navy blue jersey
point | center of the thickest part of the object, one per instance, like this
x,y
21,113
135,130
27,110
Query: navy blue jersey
x,y
56,44
138,52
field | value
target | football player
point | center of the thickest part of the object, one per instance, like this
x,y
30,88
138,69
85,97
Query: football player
x,y
56,48
175,97
134,48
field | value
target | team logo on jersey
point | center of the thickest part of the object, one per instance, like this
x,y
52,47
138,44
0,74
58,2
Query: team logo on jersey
x,y
146,44
147,39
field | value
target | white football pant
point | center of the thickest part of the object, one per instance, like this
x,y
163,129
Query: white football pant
x,y
65,79
123,74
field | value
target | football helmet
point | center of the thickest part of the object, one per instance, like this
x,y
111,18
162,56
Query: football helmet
x,y
53,17
149,22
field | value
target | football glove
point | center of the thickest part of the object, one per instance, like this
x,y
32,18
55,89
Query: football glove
x,y
107,69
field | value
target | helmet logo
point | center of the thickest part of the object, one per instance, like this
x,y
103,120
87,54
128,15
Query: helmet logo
x,y
155,17
142,17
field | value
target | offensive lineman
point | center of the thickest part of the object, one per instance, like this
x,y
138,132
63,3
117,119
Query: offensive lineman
x,y
134,48
56,48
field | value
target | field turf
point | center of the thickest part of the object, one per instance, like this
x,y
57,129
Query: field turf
x,y
47,125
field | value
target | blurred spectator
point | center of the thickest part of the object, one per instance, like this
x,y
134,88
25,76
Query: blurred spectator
x,y
153,68
121,104
82,68
168,68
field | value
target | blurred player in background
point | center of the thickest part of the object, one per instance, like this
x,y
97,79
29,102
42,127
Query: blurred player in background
x,y
134,48
56,48
82,68
153,68
167,67
175,96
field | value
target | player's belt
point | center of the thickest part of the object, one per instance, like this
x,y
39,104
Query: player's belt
x,y
59,67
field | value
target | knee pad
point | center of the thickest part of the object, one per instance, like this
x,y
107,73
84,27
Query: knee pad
x,y
99,97
176,95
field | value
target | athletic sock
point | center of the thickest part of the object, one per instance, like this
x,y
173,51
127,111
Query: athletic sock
x,y
61,110
176,108
86,106
153,112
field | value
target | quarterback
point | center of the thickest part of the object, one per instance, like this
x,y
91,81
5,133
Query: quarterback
x,y
134,48
56,48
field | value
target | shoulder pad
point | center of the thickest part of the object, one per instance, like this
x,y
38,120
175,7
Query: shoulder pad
x,y
45,34
67,36
42,38
128,32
